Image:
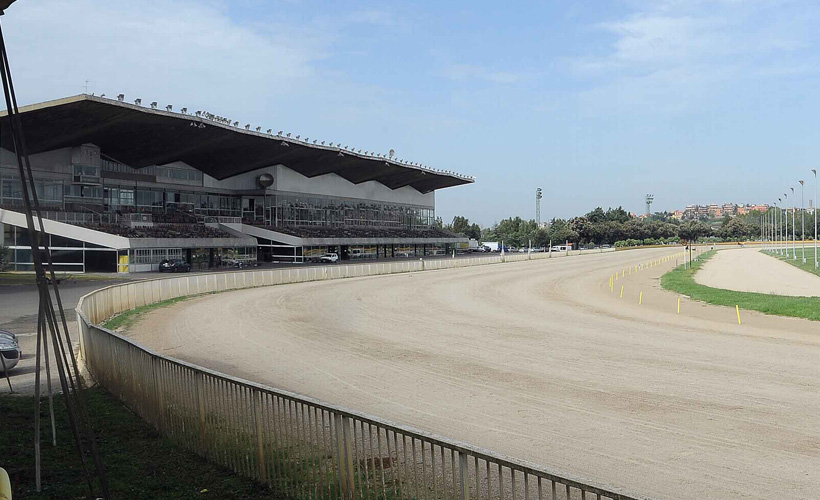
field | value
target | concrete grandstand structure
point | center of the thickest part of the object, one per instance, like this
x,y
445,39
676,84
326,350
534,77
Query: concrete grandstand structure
x,y
123,186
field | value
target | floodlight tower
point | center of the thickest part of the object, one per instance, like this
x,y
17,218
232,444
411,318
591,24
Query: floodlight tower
x,y
649,199
538,195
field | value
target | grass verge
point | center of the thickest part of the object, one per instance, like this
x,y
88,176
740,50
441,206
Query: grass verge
x,y
139,462
125,319
682,281
809,256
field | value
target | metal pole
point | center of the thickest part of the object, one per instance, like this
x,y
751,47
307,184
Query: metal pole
x,y
814,170
803,221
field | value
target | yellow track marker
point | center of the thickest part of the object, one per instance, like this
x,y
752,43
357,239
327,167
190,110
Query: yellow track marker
x,y
640,299
623,273
678,305
737,309
622,291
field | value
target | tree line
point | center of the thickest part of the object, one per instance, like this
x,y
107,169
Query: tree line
x,y
615,226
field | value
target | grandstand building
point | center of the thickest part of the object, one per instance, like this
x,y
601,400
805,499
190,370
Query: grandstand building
x,y
123,186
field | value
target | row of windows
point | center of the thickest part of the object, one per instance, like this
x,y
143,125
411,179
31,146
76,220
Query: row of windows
x,y
154,255
162,172
283,210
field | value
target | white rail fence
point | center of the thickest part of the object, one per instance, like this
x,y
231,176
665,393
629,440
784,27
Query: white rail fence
x,y
302,447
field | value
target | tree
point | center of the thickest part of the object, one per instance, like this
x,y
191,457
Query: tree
x,y
691,230
560,231
461,225
5,257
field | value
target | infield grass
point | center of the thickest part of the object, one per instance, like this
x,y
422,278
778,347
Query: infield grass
x,y
809,255
682,281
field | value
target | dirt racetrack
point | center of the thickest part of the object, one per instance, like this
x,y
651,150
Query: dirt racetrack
x,y
540,361
749,270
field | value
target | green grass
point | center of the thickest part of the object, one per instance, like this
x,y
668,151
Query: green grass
x,y
682,281
139,462
124,320
808,266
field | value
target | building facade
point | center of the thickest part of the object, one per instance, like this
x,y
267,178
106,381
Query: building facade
x,y
126,195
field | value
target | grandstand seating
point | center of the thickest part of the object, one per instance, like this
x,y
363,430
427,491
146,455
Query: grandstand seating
x,y
361,232
160,231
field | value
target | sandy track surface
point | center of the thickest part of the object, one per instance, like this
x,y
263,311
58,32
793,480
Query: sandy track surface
x,y
750,270
539,360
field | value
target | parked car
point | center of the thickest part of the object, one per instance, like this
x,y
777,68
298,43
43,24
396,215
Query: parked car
x,y
9,350
329,258
174,266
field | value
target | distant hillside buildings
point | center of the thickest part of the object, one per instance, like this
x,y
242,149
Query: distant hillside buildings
x,y
715,210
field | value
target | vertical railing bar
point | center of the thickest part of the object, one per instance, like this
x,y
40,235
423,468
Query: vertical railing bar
x,y
477,489
305,446
298,410
239,426
285,442
292,447
568,492
271,462
512,485
424,469
315,450
415,468
453,468
463,479
500,482
394,470
364,481
540,491
526,486
381,459
276,442
583,494
405,463
241,435
230,391
433,469
554,491
489,482
349,478
357,434
372,461
328,469
443,472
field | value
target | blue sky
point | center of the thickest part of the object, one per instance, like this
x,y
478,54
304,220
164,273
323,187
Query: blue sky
x,y
596,102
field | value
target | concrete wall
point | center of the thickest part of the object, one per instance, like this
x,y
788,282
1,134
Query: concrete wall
x,y
286,180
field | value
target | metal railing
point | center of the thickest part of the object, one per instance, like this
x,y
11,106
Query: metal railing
x,y
300,446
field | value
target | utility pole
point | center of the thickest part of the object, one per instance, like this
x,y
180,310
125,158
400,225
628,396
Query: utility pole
x,y
538,195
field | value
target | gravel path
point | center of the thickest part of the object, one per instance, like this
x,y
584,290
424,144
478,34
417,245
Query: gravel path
x,y
539,360
750,270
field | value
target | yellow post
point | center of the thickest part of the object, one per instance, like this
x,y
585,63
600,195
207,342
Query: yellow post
x,y
737,309
640,299
678,305
622,291
623,273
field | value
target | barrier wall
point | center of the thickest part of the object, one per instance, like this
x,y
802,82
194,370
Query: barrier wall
x,y
300,446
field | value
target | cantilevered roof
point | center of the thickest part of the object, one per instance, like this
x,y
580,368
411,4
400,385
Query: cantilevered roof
x,y
140,136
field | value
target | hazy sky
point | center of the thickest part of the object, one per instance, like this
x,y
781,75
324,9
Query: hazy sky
x,y
597,103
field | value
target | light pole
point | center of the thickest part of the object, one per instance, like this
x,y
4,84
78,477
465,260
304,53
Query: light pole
x,y
814,171
794,240
776,229
803,221
786,227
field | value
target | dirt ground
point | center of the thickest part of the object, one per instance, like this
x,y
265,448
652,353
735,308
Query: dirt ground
x,y
749,270
541,361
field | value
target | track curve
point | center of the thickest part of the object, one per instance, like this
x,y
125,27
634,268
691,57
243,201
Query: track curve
x,y
538,360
